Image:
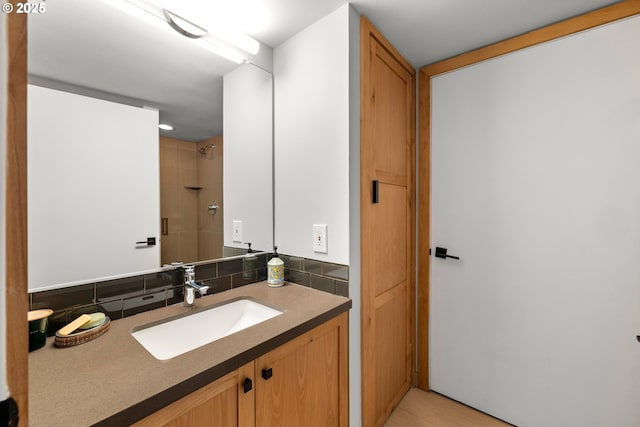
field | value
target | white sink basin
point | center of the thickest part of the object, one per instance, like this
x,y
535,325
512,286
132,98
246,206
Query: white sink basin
x,y
171,338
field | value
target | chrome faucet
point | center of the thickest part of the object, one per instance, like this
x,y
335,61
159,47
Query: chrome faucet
x,y
191,286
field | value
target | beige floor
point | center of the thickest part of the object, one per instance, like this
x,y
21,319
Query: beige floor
x,y
427,409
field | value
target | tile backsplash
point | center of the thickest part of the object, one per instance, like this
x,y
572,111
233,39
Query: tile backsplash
x,y
324,276
131,295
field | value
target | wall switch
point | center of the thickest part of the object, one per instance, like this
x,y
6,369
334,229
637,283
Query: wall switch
x,y
320,238
237,231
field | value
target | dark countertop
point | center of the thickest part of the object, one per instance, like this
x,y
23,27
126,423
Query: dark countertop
x,y
113,380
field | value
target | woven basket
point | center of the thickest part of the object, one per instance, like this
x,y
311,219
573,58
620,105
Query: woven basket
x,y
82,336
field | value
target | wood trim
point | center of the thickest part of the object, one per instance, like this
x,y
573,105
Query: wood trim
x,y
17,302
343,352
570,26
424,210
366,316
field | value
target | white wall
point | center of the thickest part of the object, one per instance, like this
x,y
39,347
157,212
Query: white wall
x,y
312,138
4,392
247,159
93,188
317,155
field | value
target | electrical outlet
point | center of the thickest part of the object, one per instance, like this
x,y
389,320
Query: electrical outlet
x,y
320,238
237,231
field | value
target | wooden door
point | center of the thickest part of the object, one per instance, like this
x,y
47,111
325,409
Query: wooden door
x,y
304,382
223,403
387,217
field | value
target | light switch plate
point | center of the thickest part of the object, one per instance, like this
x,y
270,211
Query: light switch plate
x,y
237,231
320,238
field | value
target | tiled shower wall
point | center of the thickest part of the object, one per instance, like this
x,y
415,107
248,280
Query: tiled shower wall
x,y
128,296
189,183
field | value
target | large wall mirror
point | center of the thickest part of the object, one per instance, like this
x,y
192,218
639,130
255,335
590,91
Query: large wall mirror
x,y
105,181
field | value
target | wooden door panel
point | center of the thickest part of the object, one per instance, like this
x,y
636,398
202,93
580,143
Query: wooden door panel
x,y
392,340
389,121
389,241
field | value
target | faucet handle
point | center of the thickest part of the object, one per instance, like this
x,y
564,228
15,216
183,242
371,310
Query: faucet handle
x,y
203,289
189,273
189,296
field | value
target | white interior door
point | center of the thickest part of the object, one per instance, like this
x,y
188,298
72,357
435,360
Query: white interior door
x,y
93,188
536,186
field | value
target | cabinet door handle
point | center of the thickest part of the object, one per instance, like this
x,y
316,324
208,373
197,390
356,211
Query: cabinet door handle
x,y
247,385
267,373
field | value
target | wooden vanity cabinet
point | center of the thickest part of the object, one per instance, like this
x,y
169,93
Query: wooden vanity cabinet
x,y
223,403
304,382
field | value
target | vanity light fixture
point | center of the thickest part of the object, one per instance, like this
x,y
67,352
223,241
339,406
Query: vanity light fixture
x,y
165,126
221,41
235,38
221,51
183,26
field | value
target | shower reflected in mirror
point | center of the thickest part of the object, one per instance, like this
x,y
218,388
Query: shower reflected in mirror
x,y
203,150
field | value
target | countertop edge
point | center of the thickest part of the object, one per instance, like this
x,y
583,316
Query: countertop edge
x,y
147,407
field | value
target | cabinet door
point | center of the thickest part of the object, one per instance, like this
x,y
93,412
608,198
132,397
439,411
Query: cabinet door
x,y
223,403
304,382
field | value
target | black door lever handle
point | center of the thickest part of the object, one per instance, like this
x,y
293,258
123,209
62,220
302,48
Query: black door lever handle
x,y
151,241
442,253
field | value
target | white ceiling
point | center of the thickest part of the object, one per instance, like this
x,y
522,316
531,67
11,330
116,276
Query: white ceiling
x,y
87,46
426,31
